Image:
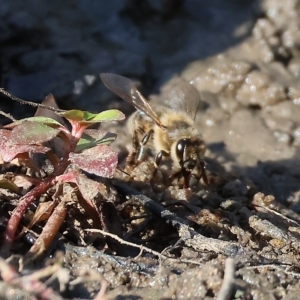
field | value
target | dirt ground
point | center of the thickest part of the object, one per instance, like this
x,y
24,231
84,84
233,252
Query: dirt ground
x,y
236,238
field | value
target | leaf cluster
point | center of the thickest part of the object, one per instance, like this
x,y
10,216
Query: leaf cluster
x,y
85,149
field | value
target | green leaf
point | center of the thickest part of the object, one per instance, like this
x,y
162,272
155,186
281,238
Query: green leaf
x,y
44,120
74,115
88,115
93,137
85,117
109,115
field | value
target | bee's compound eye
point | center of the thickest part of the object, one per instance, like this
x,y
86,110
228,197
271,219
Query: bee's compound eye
x,y
180,149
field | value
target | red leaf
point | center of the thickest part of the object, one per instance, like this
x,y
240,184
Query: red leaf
x,y
101,160
9,150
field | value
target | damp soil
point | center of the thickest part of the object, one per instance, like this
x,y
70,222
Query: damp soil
x,y
244,59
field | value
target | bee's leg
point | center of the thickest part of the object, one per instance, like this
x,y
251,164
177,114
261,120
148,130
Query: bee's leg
x,y
203,173
131,159
158,159
122,171
142,144
186,176
138,148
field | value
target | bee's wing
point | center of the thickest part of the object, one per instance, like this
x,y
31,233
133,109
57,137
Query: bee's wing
x,y
125,88
185,97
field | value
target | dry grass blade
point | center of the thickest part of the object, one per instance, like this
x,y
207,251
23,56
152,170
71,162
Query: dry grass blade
x,y
50,230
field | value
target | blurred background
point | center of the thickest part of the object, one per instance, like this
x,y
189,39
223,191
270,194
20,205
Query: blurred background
x,y
61,47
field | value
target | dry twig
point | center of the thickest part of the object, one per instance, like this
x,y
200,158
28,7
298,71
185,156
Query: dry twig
x,y
226,288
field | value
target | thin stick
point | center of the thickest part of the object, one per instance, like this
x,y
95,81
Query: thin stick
x,y
7,115
21,101
226,288
121,241
142,248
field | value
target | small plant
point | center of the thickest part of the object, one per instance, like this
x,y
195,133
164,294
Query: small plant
x,y
87,149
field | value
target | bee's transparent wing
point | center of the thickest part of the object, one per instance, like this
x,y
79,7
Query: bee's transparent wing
x,y
125,88
185,97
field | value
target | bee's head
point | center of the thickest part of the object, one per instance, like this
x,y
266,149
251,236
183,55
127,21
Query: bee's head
x,y
188,151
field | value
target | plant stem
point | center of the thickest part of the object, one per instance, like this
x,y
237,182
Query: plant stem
x,y
21,101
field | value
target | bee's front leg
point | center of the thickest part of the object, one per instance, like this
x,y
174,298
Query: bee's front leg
x,y
138,148
201,173
186,177
143,143
158,159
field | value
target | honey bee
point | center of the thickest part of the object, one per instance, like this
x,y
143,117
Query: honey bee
x,y
170,129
